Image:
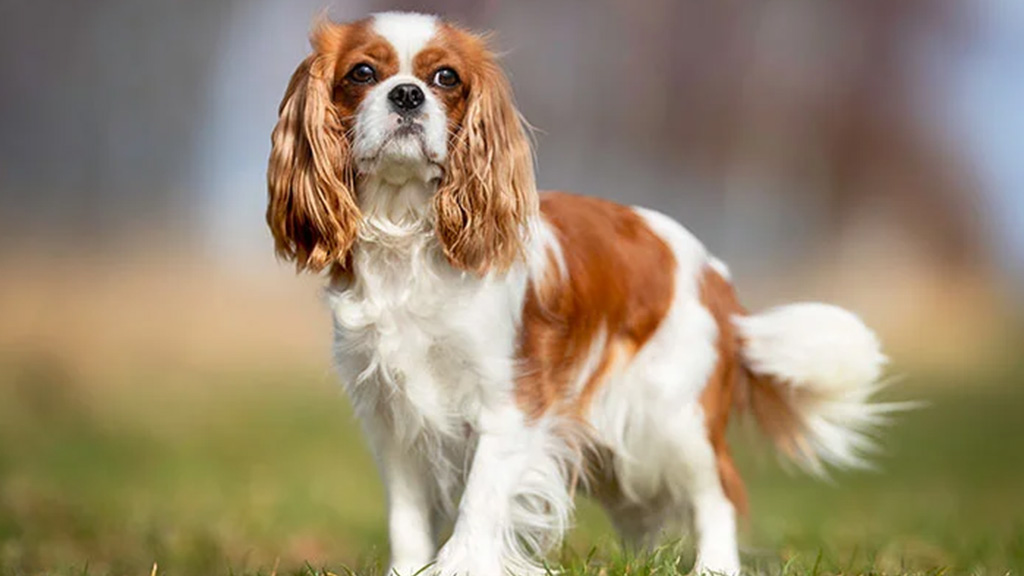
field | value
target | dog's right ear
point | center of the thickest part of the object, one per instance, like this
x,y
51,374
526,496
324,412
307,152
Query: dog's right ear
x,y
488,193
312,211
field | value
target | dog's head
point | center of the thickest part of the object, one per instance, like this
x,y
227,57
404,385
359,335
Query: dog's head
x,y
394,98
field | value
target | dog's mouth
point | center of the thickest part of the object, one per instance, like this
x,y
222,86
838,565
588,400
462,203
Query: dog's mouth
x,y
405,140
407,128
405,144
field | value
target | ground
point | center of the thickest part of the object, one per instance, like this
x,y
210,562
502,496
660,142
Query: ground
x,y
232,473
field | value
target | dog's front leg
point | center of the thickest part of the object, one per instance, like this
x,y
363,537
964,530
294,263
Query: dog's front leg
x,y
483,542
410,530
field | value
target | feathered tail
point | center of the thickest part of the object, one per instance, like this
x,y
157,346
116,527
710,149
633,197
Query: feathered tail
x,y
812,370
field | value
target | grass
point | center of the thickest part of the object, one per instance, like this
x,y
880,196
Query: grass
x,y
234,474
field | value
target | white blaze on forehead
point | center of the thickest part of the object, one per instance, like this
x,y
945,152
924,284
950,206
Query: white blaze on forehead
x,y
407,32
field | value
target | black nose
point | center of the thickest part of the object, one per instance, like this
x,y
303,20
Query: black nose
x,y
406,97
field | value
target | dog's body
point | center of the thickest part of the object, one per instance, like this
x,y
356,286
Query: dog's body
x,y
502,347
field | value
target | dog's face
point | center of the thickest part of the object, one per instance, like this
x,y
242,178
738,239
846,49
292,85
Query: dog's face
x,y
393,98
398,88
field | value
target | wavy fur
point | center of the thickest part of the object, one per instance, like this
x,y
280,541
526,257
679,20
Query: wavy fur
x,y
312,212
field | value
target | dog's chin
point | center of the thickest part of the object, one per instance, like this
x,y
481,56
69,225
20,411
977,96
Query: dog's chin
x,y
403,156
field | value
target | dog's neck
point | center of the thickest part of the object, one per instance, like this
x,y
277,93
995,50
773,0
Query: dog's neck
x,y
395,207
397,235
396,197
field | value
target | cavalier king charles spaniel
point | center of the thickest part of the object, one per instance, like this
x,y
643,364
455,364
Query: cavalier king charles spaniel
x,y
504,348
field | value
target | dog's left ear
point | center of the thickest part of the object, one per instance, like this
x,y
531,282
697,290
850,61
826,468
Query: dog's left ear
x,y
311,207
488,192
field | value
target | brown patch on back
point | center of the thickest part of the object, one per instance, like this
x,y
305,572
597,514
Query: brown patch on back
x,y
620,281
717,400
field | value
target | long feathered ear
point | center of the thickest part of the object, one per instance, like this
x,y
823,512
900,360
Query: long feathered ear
x,y
312,211
488,191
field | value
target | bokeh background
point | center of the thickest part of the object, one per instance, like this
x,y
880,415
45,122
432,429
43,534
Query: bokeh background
x,y
165,386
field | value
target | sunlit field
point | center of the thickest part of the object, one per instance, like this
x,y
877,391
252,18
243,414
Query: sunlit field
x,y
207,473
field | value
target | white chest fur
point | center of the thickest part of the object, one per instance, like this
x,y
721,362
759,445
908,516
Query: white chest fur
x,y
419,345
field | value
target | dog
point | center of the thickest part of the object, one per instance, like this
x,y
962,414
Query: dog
x,y
503,347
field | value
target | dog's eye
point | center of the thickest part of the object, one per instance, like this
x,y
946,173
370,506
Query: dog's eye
x,y
362,74
446,77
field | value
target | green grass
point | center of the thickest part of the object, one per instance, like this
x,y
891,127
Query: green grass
x,y
230,474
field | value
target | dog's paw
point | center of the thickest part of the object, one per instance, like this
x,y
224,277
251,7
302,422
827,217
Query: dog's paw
x,y
717,567
462,559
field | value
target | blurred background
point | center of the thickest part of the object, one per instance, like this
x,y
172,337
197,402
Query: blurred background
x,y
165,386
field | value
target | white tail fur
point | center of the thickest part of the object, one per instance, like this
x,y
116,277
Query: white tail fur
x,y
812,371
